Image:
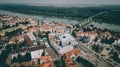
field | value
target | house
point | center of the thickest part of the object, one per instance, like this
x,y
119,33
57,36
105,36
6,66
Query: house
x,y
31,36
17,64
23,64
1,24
70,58
45,27
91,35
27,40
35,51
26,64
46,61
33,29
19,38
20,20
36,54
54,27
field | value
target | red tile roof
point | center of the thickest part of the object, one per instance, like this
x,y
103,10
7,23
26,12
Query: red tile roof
x,y
27,39
68,60
15,64
71,63
31,48
26,64
47,61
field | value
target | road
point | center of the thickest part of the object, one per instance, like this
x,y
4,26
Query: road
x,y
51,52
98,57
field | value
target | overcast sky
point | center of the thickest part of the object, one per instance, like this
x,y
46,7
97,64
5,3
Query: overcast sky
x,y
63,1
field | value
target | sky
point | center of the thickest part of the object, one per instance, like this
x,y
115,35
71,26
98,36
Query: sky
x,y
63,1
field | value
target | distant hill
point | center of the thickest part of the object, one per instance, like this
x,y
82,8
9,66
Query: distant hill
x,y
77,13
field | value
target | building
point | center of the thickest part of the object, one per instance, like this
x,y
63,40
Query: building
x,y
45,27
31,36
46,61
26,64
17,64
20,20
1,24
70,58
62,43
91,35
85,39
23,64
27,40
67,39
33,29
17,39
32,53
55,27
37,53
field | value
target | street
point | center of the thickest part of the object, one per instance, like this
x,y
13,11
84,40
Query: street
x,y
101,60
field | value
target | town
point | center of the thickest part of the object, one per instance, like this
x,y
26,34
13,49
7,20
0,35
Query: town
x,y
26,42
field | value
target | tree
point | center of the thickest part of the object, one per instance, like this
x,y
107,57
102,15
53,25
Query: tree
x,y
115,56
27,57
97,48
40,34
57,63
73,33
96,39
77,26
43,53
111,40
14,60
20,58
85,62
22,65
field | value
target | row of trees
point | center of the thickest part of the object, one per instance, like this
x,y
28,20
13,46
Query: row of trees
x,y
115,53
108,41
116,56
3,58
21,58
85,62
97,48
14,32
16,46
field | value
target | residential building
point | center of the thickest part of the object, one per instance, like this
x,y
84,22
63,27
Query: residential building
x,y
27,40
31,36
17,64
46,61
70,58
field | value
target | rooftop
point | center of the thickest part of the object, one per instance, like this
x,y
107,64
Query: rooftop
x,y
75,52
70,56
67,39
27,39
15,64
46,61
32,48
